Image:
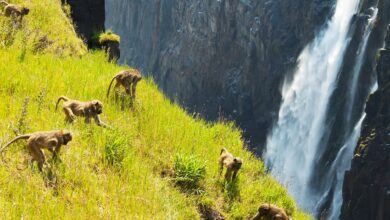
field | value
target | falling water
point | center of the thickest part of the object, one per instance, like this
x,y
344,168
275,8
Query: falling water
x,y
295,141
344,156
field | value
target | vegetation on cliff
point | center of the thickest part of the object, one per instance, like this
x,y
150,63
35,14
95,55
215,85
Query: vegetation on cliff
x,y
106,173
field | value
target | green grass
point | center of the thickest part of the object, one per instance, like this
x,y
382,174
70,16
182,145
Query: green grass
x,y
110,174
108,36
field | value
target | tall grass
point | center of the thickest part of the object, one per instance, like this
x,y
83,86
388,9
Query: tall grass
x,y
110,174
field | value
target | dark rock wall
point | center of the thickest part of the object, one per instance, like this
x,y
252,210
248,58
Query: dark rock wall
x,y
366,190
88,17
220,58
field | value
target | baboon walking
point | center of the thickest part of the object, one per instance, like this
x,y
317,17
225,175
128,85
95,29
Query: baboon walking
x,y
11,10
232,164
88,110
128,79
51,140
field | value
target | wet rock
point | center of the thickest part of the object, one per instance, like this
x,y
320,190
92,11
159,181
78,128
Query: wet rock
x,y
366,190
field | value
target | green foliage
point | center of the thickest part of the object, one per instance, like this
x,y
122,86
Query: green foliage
x,y
116,149
108,36
189,171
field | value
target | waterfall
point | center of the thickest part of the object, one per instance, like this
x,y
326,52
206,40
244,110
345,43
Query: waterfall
x,y
296,139
344,156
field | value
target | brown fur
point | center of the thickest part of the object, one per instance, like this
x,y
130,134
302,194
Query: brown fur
x,y
270,212
127,79
88,110
51,140
11,10
232,164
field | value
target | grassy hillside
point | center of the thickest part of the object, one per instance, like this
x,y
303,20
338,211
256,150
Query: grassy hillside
x,y
108,174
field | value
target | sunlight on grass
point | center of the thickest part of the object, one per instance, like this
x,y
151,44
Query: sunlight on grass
x,y
110,174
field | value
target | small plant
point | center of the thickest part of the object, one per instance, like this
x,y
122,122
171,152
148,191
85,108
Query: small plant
x,y
189,171
108,36
22,125
116,149
41,99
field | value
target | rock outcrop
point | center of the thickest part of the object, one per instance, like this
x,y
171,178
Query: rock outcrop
x,y
366,190
220,58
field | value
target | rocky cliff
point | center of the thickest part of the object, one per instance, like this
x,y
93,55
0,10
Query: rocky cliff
x,y
220,58
366,191
88,17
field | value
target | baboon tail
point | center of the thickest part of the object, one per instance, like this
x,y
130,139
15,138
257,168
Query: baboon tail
x,y
26,136
4,3
109,87
223,150
61,98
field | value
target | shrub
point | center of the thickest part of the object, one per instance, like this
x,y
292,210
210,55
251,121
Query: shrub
x,y
108,36
189,171
116,149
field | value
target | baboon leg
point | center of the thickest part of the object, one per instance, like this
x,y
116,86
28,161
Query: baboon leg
x,y
53,147
37,155
116,91
220,168
234,174
133,89
99,122
87,119
228,174
69,116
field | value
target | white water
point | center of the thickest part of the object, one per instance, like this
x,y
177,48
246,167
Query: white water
x,y
295,141
343,160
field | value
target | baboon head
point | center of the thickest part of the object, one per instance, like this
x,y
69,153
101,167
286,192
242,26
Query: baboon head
x,y
97,107
264,209
25,10
237,163
66,136
137,79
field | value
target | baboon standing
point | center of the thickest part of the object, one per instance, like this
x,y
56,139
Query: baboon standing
x,y
88,110
232,164
128,79
51,140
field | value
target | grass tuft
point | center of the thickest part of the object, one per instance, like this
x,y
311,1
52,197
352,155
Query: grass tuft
x,y
108,36
189,171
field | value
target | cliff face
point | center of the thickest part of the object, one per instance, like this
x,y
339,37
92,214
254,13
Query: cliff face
x,y
224,58
88,16
366,191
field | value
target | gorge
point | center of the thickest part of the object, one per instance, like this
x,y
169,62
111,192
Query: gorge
x,y
294,75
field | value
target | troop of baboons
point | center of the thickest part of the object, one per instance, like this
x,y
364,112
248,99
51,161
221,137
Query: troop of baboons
x,y
53,140
128,79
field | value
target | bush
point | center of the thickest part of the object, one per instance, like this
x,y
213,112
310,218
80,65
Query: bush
x,y
116,149
189,171
108,36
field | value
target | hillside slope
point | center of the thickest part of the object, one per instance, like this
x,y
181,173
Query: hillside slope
x,y
108,174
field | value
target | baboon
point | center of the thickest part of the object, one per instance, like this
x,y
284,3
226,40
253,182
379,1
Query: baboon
x,y
232,164
14,10
51,140
88,110
270,212
128,79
